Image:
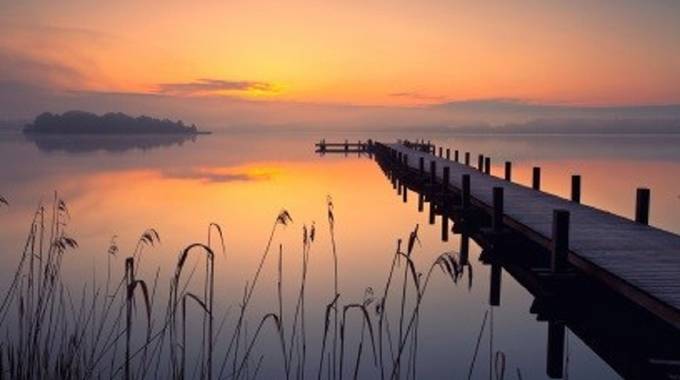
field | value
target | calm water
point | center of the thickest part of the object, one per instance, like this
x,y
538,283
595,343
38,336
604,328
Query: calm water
x,y
242,181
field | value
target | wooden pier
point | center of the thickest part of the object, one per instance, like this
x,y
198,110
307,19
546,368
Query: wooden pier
x,y
639,262
343,147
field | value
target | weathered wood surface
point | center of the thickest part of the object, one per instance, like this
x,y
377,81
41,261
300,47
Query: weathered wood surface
x,y
638,261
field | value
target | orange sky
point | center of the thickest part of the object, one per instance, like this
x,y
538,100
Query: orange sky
x,y
357,52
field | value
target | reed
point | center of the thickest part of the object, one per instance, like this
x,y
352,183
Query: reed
x,y
92,333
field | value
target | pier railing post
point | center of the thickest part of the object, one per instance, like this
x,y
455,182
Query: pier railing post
x,y
455,155
465,192
642,205
536,178
480,162
508,171
497,220
487,165
467,158
440,152
576,188
448,153
560,240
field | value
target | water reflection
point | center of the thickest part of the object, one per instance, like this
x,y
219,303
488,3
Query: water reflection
x,y
107,143
242,181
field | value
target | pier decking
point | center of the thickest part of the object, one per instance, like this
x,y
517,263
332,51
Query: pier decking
x,y
638,261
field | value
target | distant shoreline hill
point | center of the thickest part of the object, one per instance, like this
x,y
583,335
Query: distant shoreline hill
x,y
86,123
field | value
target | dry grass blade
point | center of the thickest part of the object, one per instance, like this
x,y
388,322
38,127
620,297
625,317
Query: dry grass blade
x,y
217,228
412,240
284,218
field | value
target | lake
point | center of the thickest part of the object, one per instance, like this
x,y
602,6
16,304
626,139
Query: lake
x,y
116,189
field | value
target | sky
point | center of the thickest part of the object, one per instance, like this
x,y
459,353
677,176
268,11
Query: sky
x,y
313,60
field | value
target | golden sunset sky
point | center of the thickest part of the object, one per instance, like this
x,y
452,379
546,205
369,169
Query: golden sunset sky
x,y
366,53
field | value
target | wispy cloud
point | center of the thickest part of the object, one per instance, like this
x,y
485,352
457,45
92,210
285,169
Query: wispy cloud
x,y
214,175
418,96
206,86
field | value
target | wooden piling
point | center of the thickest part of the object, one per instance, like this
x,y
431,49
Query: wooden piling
x,y
497,220
467,158
555,354
421,165
560,240
446,179
508,171
576,188
465,191
495,286
448,153
455,155
440,152
432,220
487,165
536,178
433,171
480,163
642,205
464,248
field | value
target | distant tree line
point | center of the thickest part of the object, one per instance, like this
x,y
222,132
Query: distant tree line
x,y
80,122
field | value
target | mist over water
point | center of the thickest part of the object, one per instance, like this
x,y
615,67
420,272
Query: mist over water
x,y
242,180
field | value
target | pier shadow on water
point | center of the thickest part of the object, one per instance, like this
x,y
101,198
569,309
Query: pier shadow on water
x,y
632,341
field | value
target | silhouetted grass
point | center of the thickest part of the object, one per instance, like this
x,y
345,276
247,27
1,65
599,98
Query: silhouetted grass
x,y
53,334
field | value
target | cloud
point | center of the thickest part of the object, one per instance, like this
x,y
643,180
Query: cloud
x,y
207,86
213,175
418,96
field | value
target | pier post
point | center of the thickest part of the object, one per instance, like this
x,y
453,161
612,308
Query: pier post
x,y
560,240
448,153
467,158
495,286
480,163
508,171
455,155
497,221
445,180
421,202
433,171
536,178
487,165
576,188
642,205
440,151
398,187
421,165
445,226
555,365
465,192
404,194
432,220
346,146
464,248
